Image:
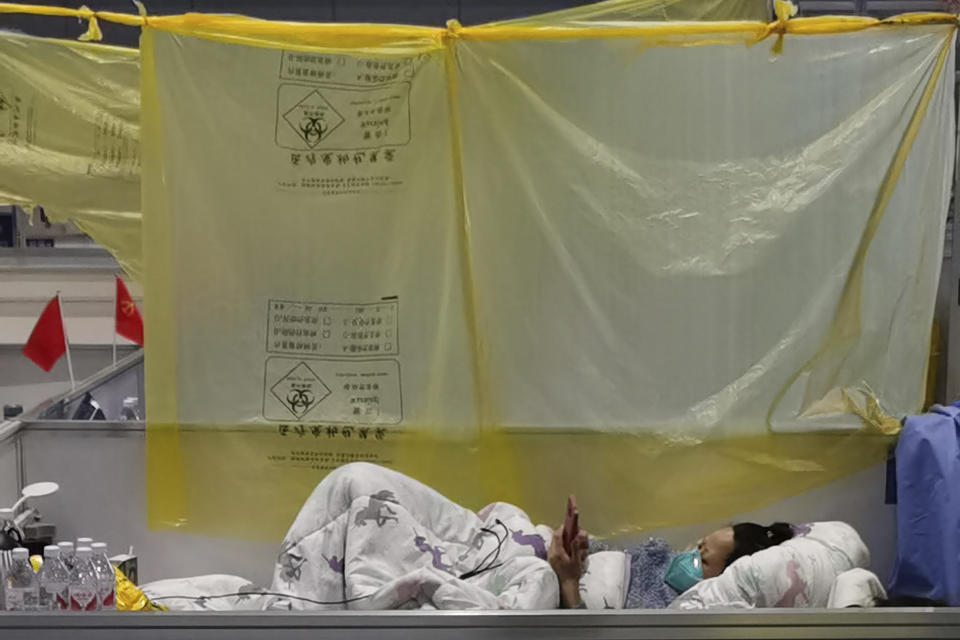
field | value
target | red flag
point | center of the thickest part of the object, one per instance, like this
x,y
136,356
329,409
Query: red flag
x,y
129,322
47,341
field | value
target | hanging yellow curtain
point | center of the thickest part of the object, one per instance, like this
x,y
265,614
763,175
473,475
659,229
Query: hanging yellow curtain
x,y
70,137
519,262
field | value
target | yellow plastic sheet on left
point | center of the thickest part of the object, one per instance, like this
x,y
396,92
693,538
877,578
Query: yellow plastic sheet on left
x,y
70,137
326,177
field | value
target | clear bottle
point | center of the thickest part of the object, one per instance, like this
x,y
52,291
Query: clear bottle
x,y
84,542
106,578
8,542
20,583
83,587
130,410
67,554
54,581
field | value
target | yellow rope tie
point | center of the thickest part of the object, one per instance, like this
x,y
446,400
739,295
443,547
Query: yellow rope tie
x,y
93,33
452,32
784,10
872,414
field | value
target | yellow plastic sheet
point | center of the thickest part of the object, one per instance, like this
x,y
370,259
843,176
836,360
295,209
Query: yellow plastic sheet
x,y
677,275
687,258
354,189
69,137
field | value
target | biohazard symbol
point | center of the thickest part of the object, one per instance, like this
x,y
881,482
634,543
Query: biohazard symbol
x,y
300,390
299,399
312,130
313,118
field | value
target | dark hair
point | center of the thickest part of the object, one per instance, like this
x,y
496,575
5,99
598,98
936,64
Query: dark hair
x,y
748,538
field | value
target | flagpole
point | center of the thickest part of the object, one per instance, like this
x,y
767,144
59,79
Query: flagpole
x,y
66,343
114,332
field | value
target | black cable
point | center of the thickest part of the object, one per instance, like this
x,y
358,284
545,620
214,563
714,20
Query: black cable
x,y
490,564
479,568
506,535
259,593
486,558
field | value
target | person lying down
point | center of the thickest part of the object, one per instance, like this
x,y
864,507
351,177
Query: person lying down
x,y
370,538
659,574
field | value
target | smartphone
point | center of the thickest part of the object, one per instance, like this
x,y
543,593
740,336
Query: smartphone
x,y
571,525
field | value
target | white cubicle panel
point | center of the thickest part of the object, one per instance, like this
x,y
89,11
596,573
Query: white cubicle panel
x,y
99,466
9,471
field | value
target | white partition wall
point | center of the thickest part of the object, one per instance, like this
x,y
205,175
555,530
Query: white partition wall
x,y
9,470
99,467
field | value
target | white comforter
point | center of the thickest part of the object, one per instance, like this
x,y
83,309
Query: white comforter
x,y
372,538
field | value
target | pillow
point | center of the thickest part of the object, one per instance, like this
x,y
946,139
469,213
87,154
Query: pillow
x,y
798,573
605,582
856,588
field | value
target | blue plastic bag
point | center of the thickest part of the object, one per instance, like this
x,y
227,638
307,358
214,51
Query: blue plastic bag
x,y
928,507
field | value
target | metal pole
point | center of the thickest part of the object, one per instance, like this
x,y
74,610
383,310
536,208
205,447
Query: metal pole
x,y
114,332
66,343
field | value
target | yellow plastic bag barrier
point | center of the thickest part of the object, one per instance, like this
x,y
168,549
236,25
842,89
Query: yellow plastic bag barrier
x,y
672,273
321,166
686,256
684,261
69,137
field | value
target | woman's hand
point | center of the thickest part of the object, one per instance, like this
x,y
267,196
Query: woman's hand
x,y
568,566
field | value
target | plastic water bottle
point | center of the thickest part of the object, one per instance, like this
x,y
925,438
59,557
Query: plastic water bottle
x,y
67,555
84,542
83,587
8,542
20,583
130,410
106,578
54,580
